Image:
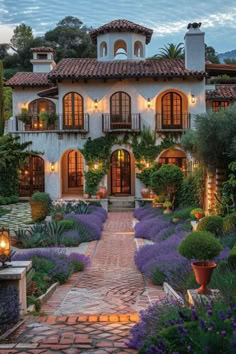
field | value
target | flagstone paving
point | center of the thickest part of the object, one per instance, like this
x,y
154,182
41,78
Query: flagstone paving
x,y
18,217
93,312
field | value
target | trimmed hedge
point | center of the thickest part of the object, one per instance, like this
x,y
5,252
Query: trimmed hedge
x,y
9,200
229,223
202,246
213,224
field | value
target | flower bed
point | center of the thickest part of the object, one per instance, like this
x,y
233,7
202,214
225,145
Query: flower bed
x,y
73,224
9,307
50,266
161,261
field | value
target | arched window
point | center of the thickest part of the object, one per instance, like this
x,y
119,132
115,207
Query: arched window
x,y
38,106
174,157
103,49
138,49
120,49
73,111
32,177
120,172
120,107
75,169
171,111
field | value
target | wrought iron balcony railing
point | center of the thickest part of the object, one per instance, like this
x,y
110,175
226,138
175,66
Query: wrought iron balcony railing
x,y
112,123
173,123
69,122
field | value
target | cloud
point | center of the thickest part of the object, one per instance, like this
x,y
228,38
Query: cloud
x,y
169,19
6,32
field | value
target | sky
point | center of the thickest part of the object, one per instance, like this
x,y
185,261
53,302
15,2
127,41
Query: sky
x,y
168,18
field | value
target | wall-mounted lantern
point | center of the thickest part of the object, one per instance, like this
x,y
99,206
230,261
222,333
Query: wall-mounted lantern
x,y
193,99
95,166
52,166
5,247
96,103
148,102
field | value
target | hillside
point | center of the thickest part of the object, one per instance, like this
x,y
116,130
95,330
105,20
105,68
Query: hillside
x,y
227,55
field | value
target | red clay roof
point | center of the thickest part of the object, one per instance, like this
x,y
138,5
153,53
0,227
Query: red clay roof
x,y
42,49
121,26
22,79
221,92
78,68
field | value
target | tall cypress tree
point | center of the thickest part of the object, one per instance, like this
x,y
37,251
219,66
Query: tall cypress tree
x,y
2,120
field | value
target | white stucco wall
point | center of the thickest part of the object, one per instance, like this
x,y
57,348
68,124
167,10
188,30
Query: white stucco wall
x,y
128,37
53,146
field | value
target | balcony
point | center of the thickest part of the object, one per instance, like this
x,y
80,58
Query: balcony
x,y
177,123
79,123
118,123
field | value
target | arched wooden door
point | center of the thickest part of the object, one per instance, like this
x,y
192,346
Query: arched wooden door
x,y
120,173
32,177
72,173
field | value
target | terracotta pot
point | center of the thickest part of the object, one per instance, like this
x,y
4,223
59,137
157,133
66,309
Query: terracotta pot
x,y
51,127
151,195
203,272
39,210
103,192
198,216
176,220
145,192
167,211
99,196
27,127
86,196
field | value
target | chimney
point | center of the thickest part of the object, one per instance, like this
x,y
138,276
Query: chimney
x,y
194,47
43,59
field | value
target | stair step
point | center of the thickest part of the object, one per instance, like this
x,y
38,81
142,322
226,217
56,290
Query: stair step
x,y
121,209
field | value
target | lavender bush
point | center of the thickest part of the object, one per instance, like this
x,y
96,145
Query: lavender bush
x,y
78,261
9,306
91,224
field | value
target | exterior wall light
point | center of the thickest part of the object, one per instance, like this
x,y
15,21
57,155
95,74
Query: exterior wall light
x,y
193,99
96,103
149,102
26,172
95,166
5,247
52,166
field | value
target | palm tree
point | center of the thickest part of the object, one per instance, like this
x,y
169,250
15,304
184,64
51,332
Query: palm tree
x,y
171,51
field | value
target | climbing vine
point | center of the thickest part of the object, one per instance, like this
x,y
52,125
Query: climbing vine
x,y
97,152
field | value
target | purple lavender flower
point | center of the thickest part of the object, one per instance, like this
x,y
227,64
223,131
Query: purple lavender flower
x,y
79,258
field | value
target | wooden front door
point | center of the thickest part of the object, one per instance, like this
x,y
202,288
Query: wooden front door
x,y
73,173
120,173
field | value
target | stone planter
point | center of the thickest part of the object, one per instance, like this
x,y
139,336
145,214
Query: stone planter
x,y
203,272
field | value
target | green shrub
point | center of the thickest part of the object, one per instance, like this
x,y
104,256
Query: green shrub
x,y
158,277
14,199
183,213
67,223
202,246
232,257
196,211
42,196
8,200
167,179
229,223
213,224
3,201
228,240
77,266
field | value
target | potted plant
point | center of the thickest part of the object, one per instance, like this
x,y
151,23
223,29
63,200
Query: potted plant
x,y
40,204
103,191
198,213
25,117
203,247
43,117
167,204
51,121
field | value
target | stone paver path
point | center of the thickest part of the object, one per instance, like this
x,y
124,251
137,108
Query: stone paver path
x,y
93,312
20,213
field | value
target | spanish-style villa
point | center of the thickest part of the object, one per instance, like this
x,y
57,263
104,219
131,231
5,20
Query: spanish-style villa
x,y
119,91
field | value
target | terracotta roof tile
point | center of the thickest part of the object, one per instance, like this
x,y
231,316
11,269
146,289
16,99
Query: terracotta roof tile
x,y
92,69
121,26
42,49
221,92
22,79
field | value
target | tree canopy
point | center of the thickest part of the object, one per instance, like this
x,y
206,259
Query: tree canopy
x,y
171,51
22,35
213,141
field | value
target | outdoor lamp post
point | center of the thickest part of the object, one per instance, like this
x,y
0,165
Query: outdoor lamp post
x,y
5,247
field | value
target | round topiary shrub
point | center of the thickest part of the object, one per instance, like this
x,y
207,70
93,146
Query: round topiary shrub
x,y
229,223
202,246
213,224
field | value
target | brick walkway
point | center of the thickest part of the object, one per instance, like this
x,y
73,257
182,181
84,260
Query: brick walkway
x,y
94,311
